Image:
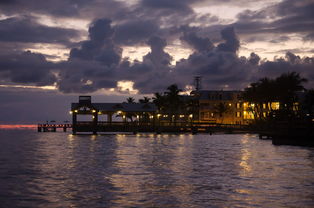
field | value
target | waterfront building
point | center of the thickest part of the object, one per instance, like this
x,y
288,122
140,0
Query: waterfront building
x,y
229,107
88,116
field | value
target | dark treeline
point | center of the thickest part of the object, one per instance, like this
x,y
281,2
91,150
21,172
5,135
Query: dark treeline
x,y
287,90
172,103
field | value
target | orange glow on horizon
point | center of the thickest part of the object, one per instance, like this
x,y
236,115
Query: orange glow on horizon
x,y
18,126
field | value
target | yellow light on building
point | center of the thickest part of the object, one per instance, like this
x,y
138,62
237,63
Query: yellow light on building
x,y
75,111
151,116
191,115
181,116
275,105
119,112
94,111
70,112
137,116
99,113
230,104
158,115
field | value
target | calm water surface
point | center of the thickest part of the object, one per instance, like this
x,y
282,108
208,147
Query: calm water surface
x,y
147,170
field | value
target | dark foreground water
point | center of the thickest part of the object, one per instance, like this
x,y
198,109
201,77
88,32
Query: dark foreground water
x,y
61,170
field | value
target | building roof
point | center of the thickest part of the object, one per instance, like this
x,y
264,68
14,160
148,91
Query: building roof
x,y
125,107
216,94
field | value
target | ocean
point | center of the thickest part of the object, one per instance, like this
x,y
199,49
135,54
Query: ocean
x,y
150,170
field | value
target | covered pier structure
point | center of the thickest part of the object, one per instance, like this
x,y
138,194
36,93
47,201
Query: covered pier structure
x,y
112,117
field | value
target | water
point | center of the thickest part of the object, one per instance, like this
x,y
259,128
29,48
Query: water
x,y
61,170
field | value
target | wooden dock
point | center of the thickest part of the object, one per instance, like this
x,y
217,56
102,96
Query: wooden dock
x,y
134,127
53,127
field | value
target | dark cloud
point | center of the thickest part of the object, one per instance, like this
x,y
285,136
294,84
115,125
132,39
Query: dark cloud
x,y
198,43
100,46
25,29
27,68
61,8
97,62
177,5
287,16
254,59
232,43
135,31
289,63
157,56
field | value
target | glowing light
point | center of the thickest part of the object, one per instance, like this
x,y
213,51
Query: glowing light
x,y
119,112
70,112
191,115
126,86
75,111
17,126
181,116
94,111
230,104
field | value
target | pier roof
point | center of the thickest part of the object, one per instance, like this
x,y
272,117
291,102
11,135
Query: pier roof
x,y
125,107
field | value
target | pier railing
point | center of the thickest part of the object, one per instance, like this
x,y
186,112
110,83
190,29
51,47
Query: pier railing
x,y
135,126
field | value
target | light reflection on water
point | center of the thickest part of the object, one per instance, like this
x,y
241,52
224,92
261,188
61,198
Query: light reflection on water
x,y
148,170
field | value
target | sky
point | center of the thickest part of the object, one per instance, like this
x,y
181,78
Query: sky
x,y
54,50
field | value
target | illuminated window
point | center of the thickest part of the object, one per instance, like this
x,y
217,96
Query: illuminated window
x,y
295,106
245,105
264,114
264,106
238,105
238,114
248,115
275,105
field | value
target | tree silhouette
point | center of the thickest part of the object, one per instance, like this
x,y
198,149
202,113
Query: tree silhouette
x,y
173,100
282,89
130,100
144,100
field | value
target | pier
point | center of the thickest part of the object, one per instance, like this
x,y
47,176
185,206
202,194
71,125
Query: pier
x,y
53,127
138,117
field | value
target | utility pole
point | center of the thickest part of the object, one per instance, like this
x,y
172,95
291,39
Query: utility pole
x,y
198,83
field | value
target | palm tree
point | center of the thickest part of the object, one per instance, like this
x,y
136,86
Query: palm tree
x,y
144,100
160,101
221,109
130,100
286,86
173,100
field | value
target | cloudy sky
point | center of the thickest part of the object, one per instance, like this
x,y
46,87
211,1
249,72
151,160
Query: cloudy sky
x,y
54,50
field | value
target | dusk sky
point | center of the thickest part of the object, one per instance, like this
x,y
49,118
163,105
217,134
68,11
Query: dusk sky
x,y
54,50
